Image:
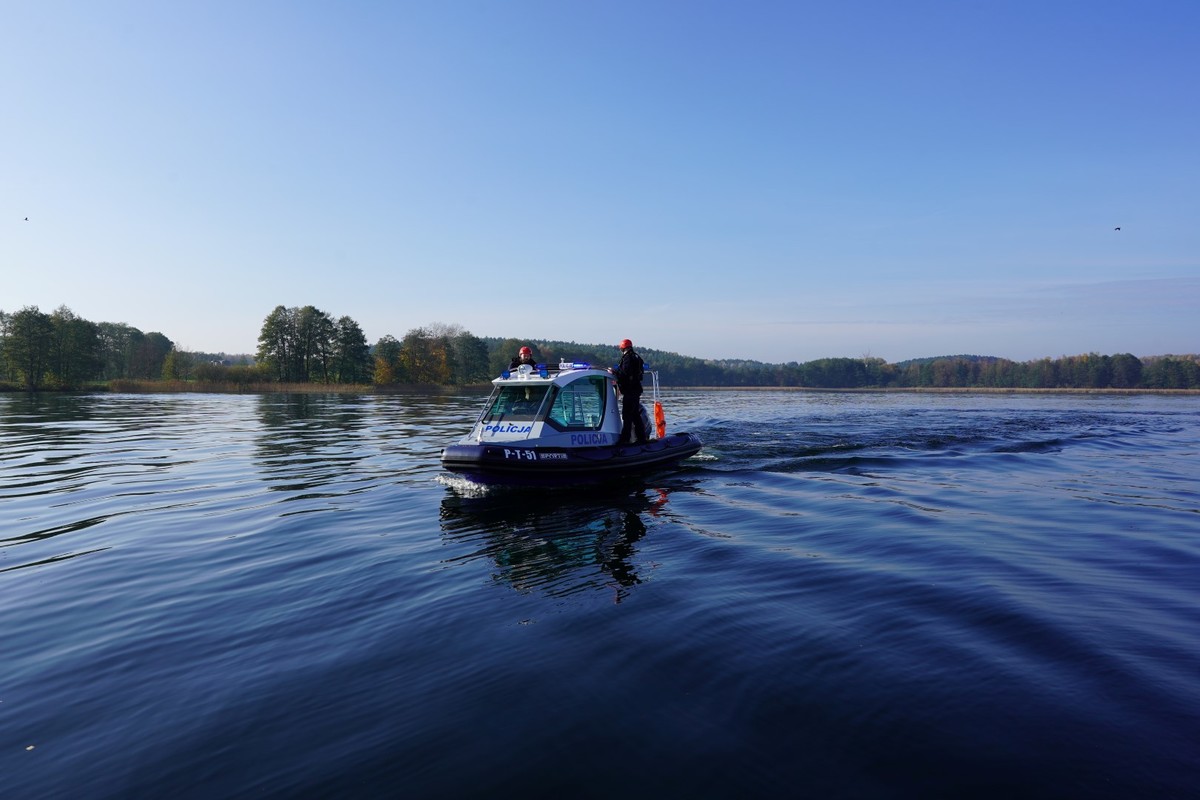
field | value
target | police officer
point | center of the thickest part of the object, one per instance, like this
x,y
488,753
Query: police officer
x,y
628,373
524,356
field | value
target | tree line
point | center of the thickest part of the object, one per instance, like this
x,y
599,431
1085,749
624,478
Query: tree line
x,y
61,350
1088,371
307,345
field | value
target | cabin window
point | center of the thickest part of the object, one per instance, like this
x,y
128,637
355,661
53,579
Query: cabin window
x,y
578,406
515,403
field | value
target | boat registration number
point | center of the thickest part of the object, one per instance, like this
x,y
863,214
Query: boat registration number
x,y
531,455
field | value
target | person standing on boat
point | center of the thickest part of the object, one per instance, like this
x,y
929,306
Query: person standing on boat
x,y
524,356
629,382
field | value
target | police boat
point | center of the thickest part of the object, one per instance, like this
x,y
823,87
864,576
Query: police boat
x,y
548,424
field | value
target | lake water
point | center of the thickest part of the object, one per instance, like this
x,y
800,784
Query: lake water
x,y
843,595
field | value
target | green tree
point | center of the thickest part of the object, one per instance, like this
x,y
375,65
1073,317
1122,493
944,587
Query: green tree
x,y
149,353
277,342
835,373
998,373
314,347
1171,372
10,374
298,344
74,348
470,359
209,372
115,348
28,345
1126,371
177,366
351,354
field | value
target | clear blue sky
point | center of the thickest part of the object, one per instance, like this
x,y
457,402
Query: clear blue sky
x,y
769,180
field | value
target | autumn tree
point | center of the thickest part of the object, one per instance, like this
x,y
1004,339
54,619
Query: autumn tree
x,y
388,369
420,357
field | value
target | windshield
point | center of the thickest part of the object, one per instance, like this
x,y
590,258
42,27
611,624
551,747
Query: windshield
x,y
514,403
578,405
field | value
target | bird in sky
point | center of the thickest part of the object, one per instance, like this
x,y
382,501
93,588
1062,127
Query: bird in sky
x,y
1116,229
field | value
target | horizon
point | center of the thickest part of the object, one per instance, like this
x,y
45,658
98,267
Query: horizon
x,y
771,182
539,342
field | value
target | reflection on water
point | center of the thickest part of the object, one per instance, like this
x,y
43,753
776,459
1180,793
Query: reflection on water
x,y
307,442
559,543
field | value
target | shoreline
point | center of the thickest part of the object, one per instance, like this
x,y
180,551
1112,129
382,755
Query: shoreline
x,y
181,387
939,390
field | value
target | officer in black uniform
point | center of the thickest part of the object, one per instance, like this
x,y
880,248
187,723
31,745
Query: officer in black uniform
x,y
629,382
524,356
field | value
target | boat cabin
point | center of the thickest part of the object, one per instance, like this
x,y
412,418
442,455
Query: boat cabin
x,y
571,405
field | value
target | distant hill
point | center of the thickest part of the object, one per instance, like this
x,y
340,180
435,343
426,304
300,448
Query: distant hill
x,y
1088,371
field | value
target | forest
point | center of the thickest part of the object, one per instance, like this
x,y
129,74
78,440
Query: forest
x,y
308,346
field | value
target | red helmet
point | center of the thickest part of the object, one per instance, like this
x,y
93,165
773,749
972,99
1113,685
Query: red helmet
x,y
525,351
625,344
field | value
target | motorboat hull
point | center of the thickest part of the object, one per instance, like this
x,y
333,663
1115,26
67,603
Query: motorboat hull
x,y
508,462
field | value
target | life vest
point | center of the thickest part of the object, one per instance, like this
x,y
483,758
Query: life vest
x,y
660,421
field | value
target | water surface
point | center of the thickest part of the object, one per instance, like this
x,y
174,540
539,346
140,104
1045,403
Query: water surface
x,y
842,595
